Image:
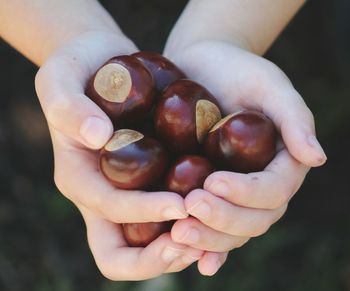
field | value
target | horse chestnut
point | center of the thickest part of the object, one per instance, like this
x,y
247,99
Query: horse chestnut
x,y
131,160
163,70
188,173
141,234
244,142
123,88
185,113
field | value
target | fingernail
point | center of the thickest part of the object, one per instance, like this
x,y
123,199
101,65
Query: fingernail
x,y
174,213
95,131
170,254
220,188
313,142
216,268
190,237
200,210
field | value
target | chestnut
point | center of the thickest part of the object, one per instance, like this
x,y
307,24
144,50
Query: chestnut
x,y
131,160
188,173
163,70
141,234
123,88
185,112
244,142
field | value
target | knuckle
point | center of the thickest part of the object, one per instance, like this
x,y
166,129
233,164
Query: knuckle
x,y
280,199
55,107
309,116
260,230
107,271
60,183
39,78
102,203
42,74
107,267
97,202
242,243
279,213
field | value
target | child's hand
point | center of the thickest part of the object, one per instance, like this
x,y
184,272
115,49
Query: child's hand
x,y
78,127
234,207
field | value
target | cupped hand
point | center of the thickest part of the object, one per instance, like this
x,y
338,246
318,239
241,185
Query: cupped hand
x,y
234,207
78,128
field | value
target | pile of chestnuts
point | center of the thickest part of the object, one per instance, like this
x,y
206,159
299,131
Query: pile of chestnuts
x,y
170,133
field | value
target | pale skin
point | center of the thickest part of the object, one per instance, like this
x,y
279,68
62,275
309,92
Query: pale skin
x,y
216,43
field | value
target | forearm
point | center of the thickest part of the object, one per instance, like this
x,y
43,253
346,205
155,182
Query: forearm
x,y
251,24
36,28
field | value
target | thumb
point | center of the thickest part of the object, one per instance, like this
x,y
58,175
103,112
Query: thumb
x,y
60,88
296,123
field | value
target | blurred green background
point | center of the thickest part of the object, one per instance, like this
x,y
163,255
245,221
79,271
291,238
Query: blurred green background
x,y
42,236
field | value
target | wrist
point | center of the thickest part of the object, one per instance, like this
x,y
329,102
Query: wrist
x,y
37,28
92,47
250,25
52,44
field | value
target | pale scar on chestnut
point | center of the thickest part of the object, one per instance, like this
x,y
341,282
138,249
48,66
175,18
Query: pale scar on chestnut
x,y
222,121
207,115
123,137
113,83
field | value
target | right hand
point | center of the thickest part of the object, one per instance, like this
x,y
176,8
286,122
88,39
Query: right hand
x,y
234,207
78,128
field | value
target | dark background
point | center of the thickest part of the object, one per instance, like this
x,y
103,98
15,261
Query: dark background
x,y
42,237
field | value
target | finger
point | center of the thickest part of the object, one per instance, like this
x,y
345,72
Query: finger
x,y
60,86
296,124
211,262
192,232
231,219
188,258
269,189
116,261
78,177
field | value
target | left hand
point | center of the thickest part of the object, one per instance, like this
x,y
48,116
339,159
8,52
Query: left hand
x,y
234,207
78,128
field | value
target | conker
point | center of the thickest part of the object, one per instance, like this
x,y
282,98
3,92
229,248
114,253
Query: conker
x,y
141,234
185,113
164,71
188,173
244,142
131,160
123,88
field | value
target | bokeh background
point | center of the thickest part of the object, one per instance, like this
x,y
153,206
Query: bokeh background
x,y
42,236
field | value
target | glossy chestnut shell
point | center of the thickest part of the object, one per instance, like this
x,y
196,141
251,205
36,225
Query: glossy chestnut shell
x,y
163,70
188,173
243,142
123,88
142,234
186,111
131,160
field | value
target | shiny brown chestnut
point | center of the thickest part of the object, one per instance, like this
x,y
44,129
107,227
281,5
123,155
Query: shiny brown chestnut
x,y
131,160
123,88
186,111
141,234
244,142
188,173
163,70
